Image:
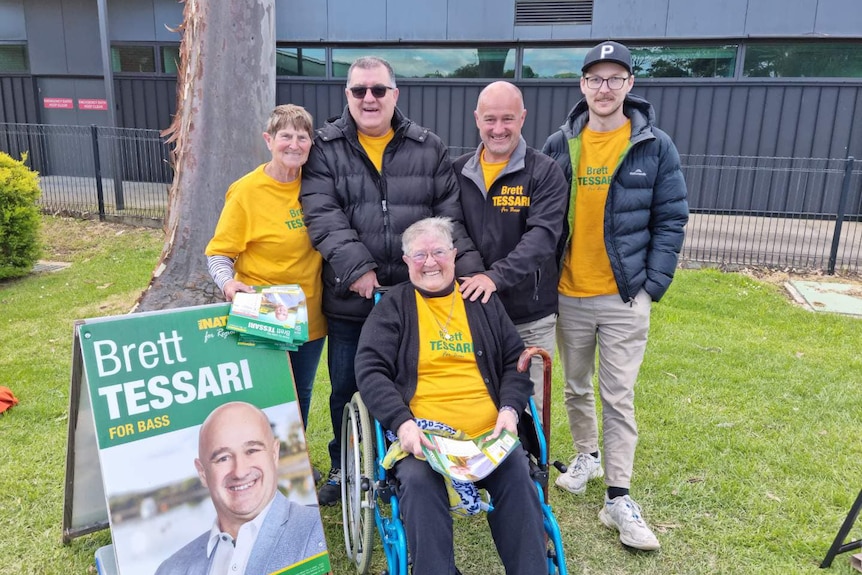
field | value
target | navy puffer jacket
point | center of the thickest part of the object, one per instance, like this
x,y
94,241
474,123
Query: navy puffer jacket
x,y
646,209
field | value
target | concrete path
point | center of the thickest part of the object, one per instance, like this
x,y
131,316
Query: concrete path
x,y
841,298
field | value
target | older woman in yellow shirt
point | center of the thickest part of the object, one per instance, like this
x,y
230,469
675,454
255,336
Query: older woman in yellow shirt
x,y
261,239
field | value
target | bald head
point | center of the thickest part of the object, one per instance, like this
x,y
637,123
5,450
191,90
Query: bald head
x,y
501,89
238,463
499,117
224,416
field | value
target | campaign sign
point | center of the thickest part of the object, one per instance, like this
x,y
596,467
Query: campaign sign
x,y
153,378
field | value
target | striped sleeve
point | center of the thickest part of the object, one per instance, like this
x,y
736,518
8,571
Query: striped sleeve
x,y
221,270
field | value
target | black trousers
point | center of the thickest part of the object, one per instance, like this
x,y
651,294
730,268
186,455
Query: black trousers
x,y
516,521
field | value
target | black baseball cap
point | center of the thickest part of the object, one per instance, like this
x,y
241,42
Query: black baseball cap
x,y
608,52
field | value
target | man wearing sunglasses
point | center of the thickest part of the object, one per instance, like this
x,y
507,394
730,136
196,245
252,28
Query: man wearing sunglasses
x,y
370,174
626,216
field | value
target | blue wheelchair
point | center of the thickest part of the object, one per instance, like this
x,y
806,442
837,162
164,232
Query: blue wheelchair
x,y
369,494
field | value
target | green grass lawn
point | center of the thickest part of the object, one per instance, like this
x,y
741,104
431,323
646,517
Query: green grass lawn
x,y
750,450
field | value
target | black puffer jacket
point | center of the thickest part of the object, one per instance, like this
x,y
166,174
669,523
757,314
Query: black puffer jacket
x,y
646,210
355,215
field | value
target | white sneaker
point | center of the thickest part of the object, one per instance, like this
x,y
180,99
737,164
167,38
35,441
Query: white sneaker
x,y
583,468
624,515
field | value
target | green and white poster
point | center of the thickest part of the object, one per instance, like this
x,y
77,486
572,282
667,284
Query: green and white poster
x,y
153,379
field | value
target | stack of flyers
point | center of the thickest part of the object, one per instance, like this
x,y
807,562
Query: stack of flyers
x,y
274,317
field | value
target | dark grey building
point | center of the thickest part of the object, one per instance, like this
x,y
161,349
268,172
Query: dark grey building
x,y
732,77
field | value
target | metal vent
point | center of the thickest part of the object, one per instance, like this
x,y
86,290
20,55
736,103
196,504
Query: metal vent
x,y
533,12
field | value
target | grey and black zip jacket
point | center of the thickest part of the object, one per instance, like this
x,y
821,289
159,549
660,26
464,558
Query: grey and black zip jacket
x,y
646,209
517,226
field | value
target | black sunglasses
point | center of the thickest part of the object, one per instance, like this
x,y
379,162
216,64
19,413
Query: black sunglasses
x,y
377,91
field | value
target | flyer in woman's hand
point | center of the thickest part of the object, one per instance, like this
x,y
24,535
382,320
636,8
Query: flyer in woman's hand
x,y
470,459
273,313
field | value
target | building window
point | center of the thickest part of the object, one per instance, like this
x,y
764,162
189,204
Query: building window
x,y
553,62
13,58
647,62
490,63
170,59
300,62
803,60
684,61
139,59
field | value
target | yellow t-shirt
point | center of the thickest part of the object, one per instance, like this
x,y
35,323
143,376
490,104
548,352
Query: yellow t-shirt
x,y
374,146
261,226
586,269
490,171
450,388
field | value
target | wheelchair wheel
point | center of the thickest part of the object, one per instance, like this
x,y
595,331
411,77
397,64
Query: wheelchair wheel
x,y
357,483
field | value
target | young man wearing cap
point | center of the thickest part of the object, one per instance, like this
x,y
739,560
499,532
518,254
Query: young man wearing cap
x,y
626,217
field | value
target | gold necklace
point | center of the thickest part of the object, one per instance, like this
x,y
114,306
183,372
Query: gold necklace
x,y
444,329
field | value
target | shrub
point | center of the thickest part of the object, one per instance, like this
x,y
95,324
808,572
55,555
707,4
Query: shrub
x,y
19,217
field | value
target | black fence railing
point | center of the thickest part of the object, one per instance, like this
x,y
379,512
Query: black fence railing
x,y
799,213
94,171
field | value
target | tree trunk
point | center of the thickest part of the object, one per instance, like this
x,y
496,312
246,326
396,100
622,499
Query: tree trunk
x,y
225,93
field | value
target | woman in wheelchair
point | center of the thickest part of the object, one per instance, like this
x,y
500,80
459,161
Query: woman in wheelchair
x,y
427,355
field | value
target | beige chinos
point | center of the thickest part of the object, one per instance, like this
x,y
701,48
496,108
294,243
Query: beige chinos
x,y
620,330
539,333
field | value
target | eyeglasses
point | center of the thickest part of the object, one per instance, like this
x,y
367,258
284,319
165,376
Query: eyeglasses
x,y
438,255
377,91
614,82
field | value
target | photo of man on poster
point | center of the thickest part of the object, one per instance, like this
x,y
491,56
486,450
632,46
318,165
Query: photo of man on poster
x,y
257,530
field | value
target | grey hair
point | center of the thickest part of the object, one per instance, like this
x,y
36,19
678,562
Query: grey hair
x,y
369,62
290,116
437,226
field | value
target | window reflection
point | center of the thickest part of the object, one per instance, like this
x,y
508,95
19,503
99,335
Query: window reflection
x,y
170,59
491,62
815,59
801,60
684,61
300,62
13,58
647,62
553,62
133,59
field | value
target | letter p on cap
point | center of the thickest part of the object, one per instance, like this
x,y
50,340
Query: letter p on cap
x,y
606,51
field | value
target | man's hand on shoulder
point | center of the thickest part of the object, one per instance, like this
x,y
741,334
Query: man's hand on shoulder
x,y
478,285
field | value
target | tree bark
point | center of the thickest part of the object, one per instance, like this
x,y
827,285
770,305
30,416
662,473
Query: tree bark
x,y
225,93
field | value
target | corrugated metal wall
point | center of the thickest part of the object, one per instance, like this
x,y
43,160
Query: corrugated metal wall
x,y
18,99
747,119
723,118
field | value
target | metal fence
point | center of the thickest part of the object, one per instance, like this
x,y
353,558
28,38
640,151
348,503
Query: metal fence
x,y
799,213
119,174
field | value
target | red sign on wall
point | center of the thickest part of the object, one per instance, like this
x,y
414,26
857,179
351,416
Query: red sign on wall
x,y
58,103
92,104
